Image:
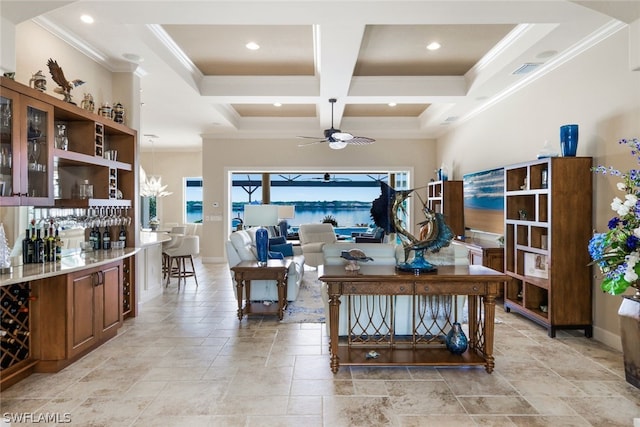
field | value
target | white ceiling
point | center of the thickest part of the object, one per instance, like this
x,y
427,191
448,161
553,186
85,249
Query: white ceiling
x,y
199,79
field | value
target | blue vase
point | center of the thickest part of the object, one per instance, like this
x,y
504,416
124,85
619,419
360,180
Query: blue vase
x,y
456,340
569,140
262,245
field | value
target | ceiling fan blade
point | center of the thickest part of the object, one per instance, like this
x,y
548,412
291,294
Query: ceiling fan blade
x,y
312,143
360,140
319,138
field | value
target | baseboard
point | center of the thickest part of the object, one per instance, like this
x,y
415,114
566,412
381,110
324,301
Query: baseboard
x,y
607,338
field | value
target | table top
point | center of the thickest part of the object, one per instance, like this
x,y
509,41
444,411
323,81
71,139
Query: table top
x,y
271,264
388,273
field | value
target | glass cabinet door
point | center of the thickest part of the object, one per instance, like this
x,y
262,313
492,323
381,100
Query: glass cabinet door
x,y
36,156
9,140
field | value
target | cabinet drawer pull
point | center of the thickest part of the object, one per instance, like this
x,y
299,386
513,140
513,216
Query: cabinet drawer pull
x,y
353,289
401,288
475,288
426,289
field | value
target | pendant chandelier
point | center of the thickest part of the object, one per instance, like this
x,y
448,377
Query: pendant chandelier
x,y
151,186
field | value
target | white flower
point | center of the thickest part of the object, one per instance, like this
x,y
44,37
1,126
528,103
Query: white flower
x,y
636,232
622,186
630,275
621,208
631,201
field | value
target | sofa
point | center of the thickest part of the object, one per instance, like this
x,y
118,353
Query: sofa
x,y
241,246
386,254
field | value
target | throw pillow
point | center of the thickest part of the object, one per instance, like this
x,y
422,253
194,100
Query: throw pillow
x,y
280,240
286,249
275,255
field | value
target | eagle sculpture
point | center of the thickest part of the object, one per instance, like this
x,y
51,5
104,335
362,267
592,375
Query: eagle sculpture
x,y
65,86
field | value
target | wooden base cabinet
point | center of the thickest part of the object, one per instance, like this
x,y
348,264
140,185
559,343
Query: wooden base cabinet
x,y
548,217
76,313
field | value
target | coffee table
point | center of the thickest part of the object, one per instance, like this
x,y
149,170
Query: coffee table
x,y
246,271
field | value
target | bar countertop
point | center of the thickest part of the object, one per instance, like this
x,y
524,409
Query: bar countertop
x,y
68,264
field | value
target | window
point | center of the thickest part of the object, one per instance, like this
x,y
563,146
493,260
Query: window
x,y
193,200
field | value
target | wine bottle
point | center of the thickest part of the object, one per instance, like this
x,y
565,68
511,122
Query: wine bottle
x,y
27,248
106,239
52,245
16,309
96,239
39,247
123,234
58,246
45,246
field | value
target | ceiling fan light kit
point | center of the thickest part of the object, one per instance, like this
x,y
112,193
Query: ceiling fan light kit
x,y
336,138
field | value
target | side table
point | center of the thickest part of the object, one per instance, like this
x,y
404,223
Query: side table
x,y
246,271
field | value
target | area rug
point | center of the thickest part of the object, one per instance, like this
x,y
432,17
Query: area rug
x,y
308,307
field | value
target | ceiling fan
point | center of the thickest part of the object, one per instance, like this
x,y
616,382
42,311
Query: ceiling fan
x,y
328,178
336,138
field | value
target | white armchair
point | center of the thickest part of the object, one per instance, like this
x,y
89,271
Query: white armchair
x,y
312,238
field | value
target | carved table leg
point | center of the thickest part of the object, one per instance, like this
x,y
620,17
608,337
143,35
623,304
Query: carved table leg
x,y
239,293
334,324
489,319
282,294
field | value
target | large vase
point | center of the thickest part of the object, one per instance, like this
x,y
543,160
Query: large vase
x,y
629,313
456,340
569,140
262,246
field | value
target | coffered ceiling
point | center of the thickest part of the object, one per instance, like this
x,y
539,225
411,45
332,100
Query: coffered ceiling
x,y
198,78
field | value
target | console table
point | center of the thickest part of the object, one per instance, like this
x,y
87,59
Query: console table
x,y
424,346
246,271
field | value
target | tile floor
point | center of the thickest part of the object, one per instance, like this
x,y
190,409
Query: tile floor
x,y
188,361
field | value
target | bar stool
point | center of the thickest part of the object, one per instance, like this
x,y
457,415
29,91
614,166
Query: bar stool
x,y
175,241
186,248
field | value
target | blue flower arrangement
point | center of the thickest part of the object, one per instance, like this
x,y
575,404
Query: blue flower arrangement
x,y
617,251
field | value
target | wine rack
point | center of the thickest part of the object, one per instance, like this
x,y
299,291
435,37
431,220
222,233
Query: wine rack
x,y
14,329
126,288
99,144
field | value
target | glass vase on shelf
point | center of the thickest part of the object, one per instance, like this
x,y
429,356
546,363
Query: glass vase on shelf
x,y
61,140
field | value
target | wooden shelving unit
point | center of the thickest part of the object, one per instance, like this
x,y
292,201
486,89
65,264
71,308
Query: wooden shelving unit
x,y
29,166
548,217
445,197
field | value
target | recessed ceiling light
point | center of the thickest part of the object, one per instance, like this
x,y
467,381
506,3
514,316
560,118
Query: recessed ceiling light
x,y
547,54
392,104
87,19
433,46
277,104
133,57
252,46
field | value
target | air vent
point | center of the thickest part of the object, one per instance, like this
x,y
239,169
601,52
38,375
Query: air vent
x,y
527,67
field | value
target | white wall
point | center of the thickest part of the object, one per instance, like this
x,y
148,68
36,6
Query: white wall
x,y
34,47
172,167
597,91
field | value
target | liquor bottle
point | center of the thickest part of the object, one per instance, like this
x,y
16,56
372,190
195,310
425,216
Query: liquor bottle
x,y
123,235
27,248
58,248
106,239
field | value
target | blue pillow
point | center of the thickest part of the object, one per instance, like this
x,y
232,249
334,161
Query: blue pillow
x,y
286,249
275,255
281,240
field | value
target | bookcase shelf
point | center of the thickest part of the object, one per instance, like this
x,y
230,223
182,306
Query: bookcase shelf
x,y
548,217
